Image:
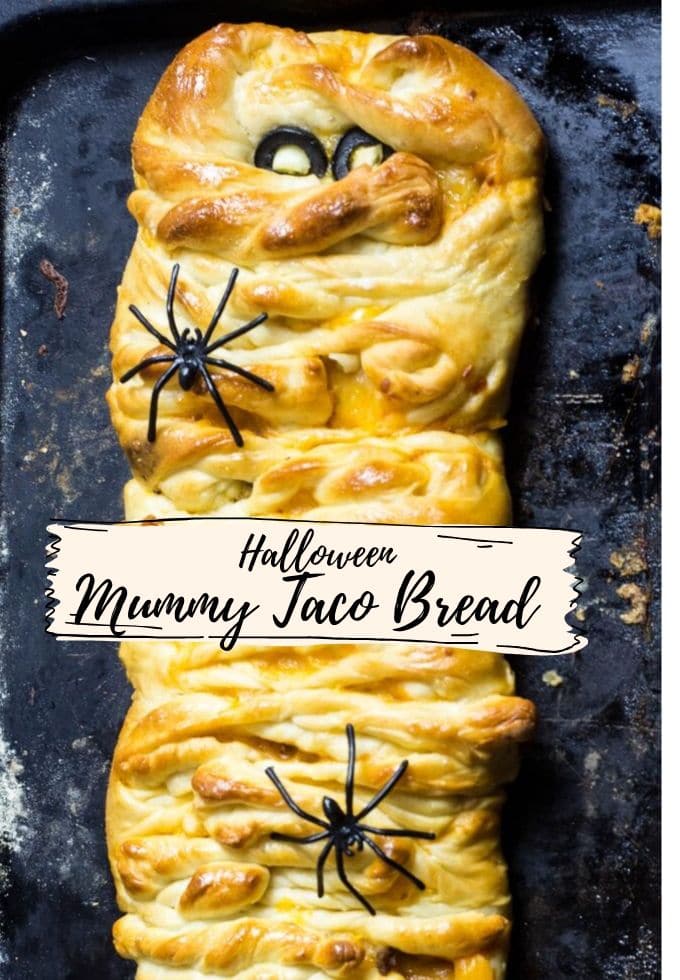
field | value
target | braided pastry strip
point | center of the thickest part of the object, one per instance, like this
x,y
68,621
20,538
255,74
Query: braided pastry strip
x,y
396,298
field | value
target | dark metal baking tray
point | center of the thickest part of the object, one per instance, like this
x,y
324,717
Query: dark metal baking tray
x,y
581,828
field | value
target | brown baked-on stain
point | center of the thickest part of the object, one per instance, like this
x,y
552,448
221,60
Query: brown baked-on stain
x,y
423,211
142,457
60,283
413,967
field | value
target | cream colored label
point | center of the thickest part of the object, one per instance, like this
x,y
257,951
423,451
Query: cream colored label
x,y
280,581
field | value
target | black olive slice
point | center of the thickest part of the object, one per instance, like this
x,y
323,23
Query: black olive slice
x,y
291,136
347,146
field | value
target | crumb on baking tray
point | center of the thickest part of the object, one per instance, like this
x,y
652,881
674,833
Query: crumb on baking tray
x,y
638,598
649,215
648,328
552,678
619,106
630,370
61,287
628,561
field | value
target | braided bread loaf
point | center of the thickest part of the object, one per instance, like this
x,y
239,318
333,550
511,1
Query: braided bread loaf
x,y
396,297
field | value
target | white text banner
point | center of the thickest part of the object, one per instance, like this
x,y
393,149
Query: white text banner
x,y
260,581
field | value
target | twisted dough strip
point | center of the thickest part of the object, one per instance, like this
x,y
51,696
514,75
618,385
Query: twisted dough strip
x,y
396,298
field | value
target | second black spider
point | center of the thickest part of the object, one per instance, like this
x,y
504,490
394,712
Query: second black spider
x,y
191,353
344,831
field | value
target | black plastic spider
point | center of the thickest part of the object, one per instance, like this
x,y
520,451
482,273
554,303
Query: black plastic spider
x,y
343,830
191,353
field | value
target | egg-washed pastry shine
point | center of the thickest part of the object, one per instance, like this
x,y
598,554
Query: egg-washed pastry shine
x,y
396,295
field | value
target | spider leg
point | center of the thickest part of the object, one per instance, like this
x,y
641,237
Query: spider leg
x,y
395,864
320,866
217,398
220,306
291,802
156,359
351,763
267,385
153,407
418,834
382,793
150,327
342,875
291,839
255,322
170,302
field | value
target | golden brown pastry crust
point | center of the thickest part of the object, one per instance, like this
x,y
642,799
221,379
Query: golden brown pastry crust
x,y
190,808
396,299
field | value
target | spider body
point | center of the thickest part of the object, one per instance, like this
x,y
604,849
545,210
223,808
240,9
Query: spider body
x,y
191,354
342,826
343,830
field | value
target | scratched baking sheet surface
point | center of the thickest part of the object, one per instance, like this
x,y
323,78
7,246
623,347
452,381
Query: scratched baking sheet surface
x,y
582,451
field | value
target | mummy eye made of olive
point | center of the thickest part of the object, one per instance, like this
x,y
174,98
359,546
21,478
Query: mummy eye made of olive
x,y
291,150
355,148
